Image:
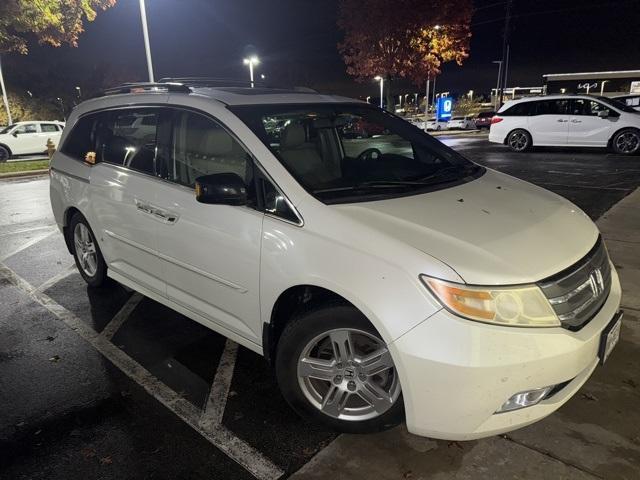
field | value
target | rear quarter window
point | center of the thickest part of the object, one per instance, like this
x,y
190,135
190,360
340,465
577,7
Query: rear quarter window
x,y
81,139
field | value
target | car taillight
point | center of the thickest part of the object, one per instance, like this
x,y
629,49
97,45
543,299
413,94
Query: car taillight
x,y
496,120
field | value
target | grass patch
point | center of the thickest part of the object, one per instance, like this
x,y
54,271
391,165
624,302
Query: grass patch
x,y
13,167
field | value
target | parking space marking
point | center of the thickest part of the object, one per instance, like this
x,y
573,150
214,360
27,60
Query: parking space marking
x,y
234,447
123,314
214,410
56,278
29,243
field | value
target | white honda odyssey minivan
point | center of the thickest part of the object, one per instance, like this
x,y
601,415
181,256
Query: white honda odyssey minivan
x,y
384,278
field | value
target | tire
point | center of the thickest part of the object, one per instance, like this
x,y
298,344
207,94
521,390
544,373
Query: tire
x,y
5,154
337,400
86,252
626,142
519,140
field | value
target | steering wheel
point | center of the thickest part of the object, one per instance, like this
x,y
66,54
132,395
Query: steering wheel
x,y
369,154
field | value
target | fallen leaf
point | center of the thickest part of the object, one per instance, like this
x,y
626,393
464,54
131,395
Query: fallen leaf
x,y
88,452
106,460
55,358
589,396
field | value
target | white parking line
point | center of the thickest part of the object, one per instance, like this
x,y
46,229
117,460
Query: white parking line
x,y
214,410
56,278
27,244
235,448
116,322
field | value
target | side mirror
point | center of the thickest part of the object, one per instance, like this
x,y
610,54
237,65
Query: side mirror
x,y
603,113
221,189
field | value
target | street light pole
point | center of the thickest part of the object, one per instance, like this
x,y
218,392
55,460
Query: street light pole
x,y
251,61
499,62
4,98
145,33
380,78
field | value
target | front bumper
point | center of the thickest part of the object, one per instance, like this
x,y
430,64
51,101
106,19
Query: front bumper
x,y
456,373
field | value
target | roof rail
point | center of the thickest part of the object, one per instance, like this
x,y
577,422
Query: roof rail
x,y
142,87
210,82
228,82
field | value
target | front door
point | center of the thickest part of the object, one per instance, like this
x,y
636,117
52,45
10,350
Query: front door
x,y
210,253
549,122
588,129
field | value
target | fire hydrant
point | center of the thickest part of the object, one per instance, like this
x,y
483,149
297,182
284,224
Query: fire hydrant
x,y
51,147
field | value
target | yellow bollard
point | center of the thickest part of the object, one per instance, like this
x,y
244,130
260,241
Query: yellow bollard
x,y
51,147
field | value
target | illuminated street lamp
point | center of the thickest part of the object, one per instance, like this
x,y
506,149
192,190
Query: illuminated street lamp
x,y
79,92
368,97
380,79
251,61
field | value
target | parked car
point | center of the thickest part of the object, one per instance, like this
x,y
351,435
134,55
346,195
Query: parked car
x,y
567,120
437,125
483,119
461,123
400,279
28,138
632,101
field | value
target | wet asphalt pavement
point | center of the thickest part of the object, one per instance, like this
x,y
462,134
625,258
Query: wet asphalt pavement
x,y
102,383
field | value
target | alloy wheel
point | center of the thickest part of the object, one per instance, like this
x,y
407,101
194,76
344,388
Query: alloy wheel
x,y
518,141
348,374
627,142
85,249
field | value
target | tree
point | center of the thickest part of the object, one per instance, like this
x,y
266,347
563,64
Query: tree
x,y
403,38
51,22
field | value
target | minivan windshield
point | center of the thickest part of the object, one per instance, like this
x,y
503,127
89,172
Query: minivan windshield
x,y
617,104
344,152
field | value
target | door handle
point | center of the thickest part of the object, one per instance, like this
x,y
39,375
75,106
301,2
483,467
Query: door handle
x,y
562,121
576,121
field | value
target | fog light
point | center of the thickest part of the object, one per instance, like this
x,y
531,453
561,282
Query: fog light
x,y
524,399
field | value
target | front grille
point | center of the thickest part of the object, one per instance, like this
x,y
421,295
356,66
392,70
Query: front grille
x,y
578,292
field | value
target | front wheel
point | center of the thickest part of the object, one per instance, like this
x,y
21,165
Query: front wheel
x,y
626,142
519,140
86,252
5,154
333,367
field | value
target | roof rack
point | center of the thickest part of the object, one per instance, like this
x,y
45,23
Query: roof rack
x,y
228,82
142,87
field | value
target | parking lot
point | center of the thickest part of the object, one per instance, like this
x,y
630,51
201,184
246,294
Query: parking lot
x,y
104,383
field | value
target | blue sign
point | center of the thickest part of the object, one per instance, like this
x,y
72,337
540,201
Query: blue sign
x,y
444,107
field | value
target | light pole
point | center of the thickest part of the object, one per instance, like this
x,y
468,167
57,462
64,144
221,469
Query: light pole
x,y
60,101
79,92
367,99
499,62
145,33
251,61
380,79
4,98
470,94
602,87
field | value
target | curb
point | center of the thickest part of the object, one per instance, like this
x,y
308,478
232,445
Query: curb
x,y
28,173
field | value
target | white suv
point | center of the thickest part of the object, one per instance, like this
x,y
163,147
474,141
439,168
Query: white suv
x,y
567,121
381,277
28,138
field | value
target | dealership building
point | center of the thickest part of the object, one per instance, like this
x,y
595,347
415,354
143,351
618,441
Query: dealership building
x,y
609,83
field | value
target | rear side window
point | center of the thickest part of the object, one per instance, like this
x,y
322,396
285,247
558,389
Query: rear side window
x,y
128,138
551,107
519,110
81,140
49,127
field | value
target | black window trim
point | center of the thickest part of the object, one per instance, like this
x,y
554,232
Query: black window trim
x,y
256,163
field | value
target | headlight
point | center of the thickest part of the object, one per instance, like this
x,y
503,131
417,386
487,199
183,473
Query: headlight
x,y
522,306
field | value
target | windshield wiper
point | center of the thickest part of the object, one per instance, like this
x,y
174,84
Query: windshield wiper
x,y
382,184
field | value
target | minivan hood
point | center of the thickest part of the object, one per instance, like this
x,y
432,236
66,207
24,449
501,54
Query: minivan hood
x,y
495,230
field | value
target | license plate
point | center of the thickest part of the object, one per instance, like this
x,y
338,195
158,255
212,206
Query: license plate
x,y
610,337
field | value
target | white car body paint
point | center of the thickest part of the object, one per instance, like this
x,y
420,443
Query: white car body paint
x,y
494,230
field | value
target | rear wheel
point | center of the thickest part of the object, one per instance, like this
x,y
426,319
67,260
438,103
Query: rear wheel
x,y
626,142
5,154
519,140
333,367
86,252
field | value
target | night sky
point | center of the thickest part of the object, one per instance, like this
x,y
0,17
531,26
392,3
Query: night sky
x,y
296,42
